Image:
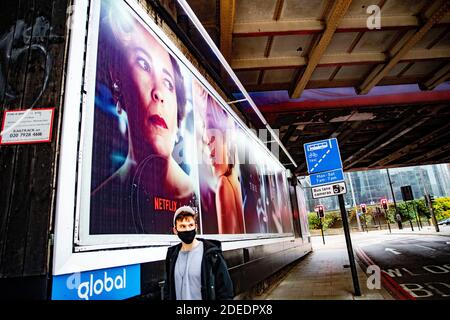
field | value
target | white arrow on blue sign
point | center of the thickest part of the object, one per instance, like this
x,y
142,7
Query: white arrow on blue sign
x,y
322,156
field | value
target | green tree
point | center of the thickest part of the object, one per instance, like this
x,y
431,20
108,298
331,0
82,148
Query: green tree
x,y
313,220
329,220
391,214
422,208
406,210
441,208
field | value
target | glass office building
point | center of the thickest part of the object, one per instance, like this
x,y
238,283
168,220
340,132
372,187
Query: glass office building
x,y
371,186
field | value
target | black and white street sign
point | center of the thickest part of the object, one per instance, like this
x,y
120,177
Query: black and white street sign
x,y
329,190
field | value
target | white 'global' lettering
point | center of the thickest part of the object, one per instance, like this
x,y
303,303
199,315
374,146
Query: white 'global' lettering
x,y
88,289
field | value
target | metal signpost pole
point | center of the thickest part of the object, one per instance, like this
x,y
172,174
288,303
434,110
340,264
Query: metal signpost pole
x,y
416,210
348,240
428,200
409,217
321,229
412,227
436,226
365,223
415,215
387,220
324,165
433,216
377,215
354,201
393,195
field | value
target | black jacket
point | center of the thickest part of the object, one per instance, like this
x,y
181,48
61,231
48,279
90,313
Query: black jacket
x,y
215,279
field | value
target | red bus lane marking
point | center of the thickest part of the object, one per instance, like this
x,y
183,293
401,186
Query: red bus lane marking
x,y
394,290
386,280
386,284
401,293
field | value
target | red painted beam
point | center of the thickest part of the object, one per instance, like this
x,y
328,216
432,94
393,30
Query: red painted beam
x,y
411,98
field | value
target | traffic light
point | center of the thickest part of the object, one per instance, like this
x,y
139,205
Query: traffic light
x,y
321,211
363,208
384,204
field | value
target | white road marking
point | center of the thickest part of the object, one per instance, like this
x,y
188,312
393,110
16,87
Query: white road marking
x,y
320,160
392,250
418,245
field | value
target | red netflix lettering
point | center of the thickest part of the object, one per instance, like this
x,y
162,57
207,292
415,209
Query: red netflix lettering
x,y
164,204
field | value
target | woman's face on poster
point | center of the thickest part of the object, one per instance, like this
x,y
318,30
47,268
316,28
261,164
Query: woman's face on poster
x,y
150,93
217,148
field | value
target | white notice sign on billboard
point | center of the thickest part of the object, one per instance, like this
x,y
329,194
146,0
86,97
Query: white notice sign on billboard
x,y
27,126
329,190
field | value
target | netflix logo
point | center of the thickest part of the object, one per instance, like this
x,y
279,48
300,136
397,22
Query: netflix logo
x,y
162,204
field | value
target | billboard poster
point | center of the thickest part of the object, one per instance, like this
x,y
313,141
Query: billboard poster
x,y
303,212
218,155
284,204
256,220
272,204
161,139
143,130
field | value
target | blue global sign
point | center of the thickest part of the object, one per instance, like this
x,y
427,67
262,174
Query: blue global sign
x,y
107,284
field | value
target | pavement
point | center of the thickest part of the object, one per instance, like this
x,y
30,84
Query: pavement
x,y
323,275
444,230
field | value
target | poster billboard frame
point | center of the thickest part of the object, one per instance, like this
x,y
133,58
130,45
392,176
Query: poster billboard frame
x,y
74,250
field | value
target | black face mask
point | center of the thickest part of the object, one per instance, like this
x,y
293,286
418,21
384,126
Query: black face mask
x,y
187,236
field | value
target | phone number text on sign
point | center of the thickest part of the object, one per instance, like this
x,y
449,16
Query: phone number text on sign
x,y
27,126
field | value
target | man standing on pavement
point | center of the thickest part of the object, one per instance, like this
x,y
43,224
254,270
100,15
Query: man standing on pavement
x,y
195,268
398,217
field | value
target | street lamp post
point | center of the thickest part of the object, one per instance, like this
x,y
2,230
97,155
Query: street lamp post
x,y
387,220
384,204
354,200
393,195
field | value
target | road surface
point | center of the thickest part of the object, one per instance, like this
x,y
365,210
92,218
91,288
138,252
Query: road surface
x,y
412,266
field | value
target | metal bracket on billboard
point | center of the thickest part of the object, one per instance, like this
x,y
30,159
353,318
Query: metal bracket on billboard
x,y
237,101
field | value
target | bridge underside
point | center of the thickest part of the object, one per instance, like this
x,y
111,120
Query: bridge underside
x,y
316,70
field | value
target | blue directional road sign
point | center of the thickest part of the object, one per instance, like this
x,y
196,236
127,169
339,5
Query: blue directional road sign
x,y
328,177
322,156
